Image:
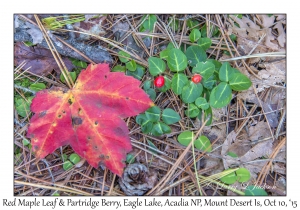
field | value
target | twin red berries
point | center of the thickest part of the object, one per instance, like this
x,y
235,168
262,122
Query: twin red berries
x,y
160,80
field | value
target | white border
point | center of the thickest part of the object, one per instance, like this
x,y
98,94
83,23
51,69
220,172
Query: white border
x,y
8,8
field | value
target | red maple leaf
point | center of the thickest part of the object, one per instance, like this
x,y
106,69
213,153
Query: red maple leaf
x,y
88,117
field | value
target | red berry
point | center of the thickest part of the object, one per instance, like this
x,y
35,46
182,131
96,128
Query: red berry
x,y
159,81
196,78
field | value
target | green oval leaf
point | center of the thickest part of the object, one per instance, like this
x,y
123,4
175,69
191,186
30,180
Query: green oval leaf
x,y
220,96
226,72
202,103
156,66
74,158
254,190
229,178
195,54
23,106
72,74
243,175
232,154
67,165
177,60
164,54
153,148
119,68
37,86
169,116
123,56
144,122
138,73
148,24
209,83
195,35
131,65
160,129
205,69
130,158
166,86
151,93
153,113
203,143
192,111
216,63
178,82
147,85
204,43
191,92
240,82
185,138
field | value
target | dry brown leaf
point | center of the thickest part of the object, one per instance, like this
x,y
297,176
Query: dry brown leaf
x,y
228,142
39,59
281,34
259,131
262,149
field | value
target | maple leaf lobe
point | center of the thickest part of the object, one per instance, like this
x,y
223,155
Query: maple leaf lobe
x,y
89,117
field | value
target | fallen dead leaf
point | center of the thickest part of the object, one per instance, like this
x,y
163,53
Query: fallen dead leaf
x,y
39,59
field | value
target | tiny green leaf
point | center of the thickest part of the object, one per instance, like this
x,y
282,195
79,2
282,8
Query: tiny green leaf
x,y
160,129
164,54
147,85
169,116
185,138
25,142
205,69
156,66
67,165
195,35
144,122
151,93
240,82
177,61
229,178
153,113
119,68
153,148
191,92
220,96
254,190
195,54
204,43
22,106
74,158
203,143
148,24
64,157
232,154
123,56
192,23
202,103
138,73
226,72
37,86
72,74
130,158
192,111
243,175
131,65
178,82
209,83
